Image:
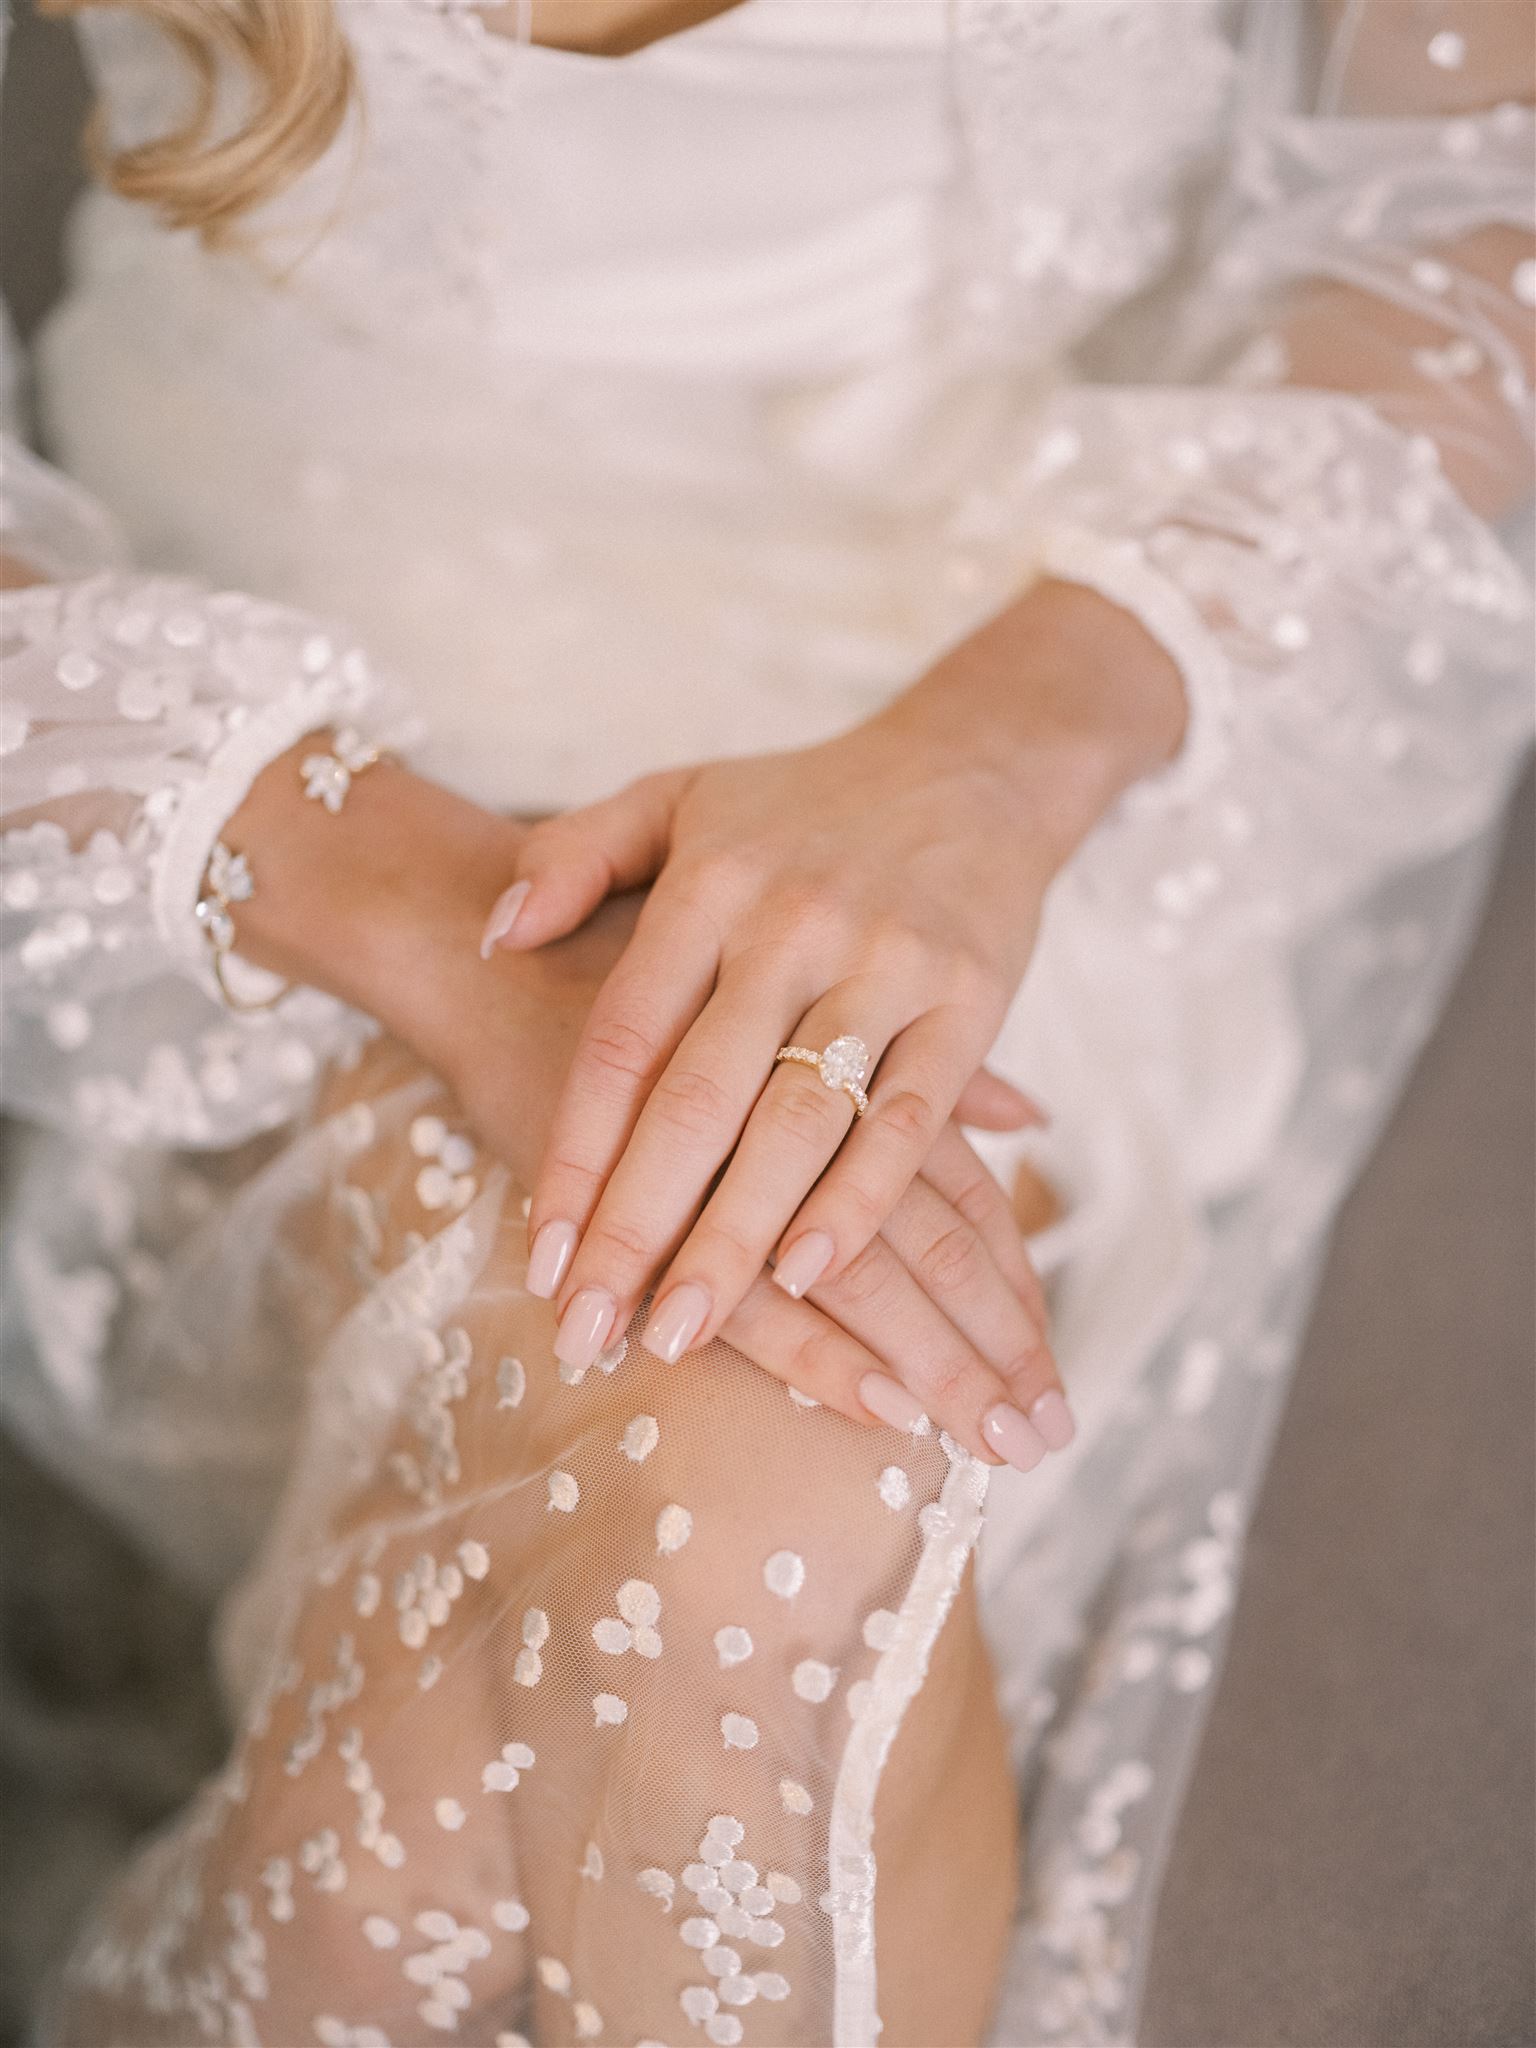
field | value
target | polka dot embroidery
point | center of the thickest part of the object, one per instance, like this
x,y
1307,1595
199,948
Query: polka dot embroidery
x,y
881,1629
784,1574
739,1731
505,1773
640,1438
813,1680
639,1603
895,1487
564,1493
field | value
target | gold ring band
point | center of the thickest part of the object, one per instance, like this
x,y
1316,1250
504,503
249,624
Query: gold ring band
x,y
842,1067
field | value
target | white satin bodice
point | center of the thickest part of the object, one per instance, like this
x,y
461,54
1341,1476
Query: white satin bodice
x,y
631,403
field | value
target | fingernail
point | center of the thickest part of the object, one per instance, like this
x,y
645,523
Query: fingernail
x,y
890,1402
584,1327
673,1326
804,1263
1009,1433
504,913
1053,1420
549,1256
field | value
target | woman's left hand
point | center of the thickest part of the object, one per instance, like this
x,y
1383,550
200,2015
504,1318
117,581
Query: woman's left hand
x,y
885,885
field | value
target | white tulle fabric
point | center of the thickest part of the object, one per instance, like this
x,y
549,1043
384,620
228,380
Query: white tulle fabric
x,y
622,426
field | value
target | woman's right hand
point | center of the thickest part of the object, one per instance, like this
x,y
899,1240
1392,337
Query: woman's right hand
x,y
383,904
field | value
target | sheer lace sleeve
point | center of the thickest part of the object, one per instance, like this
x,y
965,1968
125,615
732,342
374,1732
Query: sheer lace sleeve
x,y
134,714
1307,517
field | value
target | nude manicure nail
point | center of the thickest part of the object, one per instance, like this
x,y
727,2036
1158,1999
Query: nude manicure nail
x,y
804,1263
1009,1432
890,1402
676,1322
585,1326
548,1257
504,914
1053,1420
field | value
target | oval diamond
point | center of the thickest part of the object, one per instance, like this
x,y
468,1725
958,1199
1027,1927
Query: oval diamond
x,y
845,1060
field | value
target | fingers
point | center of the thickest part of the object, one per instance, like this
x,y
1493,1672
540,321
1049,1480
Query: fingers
x,y
687,1129
567,865
989,1103
960,1177
795,1129
951,1262
805,1348
910,1099
641,1015
876,1299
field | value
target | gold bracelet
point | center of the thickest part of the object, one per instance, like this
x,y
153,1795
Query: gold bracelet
x,y
228,880
326,778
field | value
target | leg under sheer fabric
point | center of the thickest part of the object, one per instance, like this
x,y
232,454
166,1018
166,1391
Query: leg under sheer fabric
x,y
590,1705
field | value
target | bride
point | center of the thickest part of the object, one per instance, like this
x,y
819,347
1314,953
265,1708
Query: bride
x,y
899,551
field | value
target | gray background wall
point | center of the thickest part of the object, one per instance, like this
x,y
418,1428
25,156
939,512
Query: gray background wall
x,y
1356,1865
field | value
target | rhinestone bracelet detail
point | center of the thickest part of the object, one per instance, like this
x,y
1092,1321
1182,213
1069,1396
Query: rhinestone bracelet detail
x,y
228,880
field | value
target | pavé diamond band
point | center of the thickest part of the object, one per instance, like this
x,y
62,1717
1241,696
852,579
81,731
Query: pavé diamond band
x,y
842,1066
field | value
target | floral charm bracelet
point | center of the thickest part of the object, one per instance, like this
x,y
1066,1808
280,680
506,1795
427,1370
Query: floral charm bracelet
x,y
228,879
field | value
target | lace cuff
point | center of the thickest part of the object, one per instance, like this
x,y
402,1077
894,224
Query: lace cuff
x,y
1120,571
138,712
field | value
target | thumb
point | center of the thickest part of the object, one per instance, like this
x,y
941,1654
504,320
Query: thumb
x,y
989,1103
567,865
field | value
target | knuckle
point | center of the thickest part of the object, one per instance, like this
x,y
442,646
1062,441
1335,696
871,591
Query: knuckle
x,y
952,1262
800,1110
810,909
692,1103
906,1114
720,874
1027,1374
975,982
862,1208
562,1173
612,1240
864,1279
819,1356
619,1049
945,1382
977,1198
717,1243
896,949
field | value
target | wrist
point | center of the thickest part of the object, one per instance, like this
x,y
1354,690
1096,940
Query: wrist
x,y
1066,697
371,902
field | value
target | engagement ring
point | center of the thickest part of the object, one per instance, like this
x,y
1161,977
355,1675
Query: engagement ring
x,y
843,1066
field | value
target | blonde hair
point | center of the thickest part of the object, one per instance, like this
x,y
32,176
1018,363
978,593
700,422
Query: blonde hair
x,y
292,63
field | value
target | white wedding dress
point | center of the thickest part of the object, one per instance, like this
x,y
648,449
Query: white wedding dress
x,y
630,410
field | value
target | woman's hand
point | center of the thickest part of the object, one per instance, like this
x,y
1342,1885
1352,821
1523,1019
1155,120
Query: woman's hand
x,y
886,885
381,906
